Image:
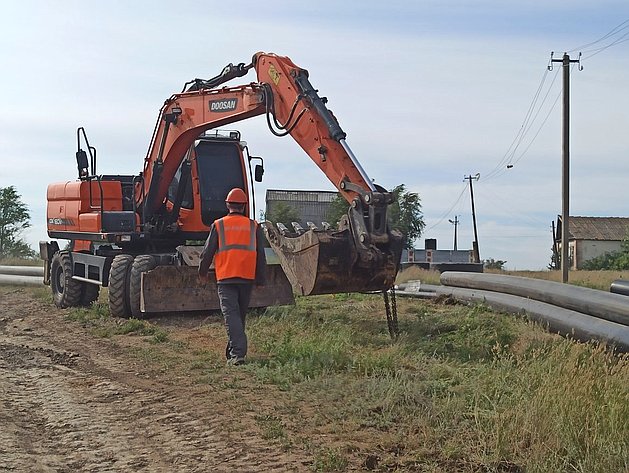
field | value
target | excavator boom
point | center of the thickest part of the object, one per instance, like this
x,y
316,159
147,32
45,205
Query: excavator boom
x,y
363,253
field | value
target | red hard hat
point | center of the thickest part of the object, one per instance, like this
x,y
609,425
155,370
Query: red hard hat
x,y
236,196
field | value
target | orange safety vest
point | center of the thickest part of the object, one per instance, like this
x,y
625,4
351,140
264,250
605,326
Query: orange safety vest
x,y
236,253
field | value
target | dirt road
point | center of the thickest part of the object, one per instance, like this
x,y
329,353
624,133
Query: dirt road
x,y
74,402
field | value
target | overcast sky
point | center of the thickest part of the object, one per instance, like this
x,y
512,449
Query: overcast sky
x,y
428,91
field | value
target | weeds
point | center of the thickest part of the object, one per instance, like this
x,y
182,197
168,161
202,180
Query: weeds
x,y
273,429
99,321
329,459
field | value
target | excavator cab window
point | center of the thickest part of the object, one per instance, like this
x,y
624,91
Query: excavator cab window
x,y
220,169
188,201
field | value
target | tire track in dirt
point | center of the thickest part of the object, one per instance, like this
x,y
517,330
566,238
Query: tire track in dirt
x,y
65,411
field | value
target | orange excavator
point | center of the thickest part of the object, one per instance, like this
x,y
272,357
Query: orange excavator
x,y
135,234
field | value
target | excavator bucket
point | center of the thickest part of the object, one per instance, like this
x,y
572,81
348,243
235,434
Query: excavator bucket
x,y
328,261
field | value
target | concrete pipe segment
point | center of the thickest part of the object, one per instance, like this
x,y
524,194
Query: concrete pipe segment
x,y
601,304
21,275
565,322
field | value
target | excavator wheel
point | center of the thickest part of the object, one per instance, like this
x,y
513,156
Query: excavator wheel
x,y
141,264
119,286
89,294
66,292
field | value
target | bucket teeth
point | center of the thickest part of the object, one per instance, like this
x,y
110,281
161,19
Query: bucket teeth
x,y
298,228
282,228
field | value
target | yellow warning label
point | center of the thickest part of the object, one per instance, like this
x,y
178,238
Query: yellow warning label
x,y
275,76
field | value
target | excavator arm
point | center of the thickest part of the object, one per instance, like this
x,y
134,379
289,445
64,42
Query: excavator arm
x,y
363,253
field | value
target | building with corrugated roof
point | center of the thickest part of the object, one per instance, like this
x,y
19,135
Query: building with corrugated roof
x,y
590,237
312,206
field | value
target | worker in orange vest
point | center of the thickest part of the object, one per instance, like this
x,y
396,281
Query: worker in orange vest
x,y
236,243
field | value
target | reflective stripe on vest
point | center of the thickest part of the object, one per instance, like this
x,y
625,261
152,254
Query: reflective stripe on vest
x,y
236,253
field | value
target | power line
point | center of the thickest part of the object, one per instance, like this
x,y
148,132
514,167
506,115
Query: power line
x,y
600,50
504,159
447,212
502,171
499,170
612,32
528,122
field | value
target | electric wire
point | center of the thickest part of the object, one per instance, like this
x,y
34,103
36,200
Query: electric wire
x,y
527,124
504,159
622,39
500,169
447,212
613,31
539,129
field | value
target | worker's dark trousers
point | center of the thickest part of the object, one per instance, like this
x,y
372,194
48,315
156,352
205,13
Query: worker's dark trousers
x,y
234,299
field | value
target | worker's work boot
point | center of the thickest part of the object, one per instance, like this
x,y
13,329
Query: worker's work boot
x,y
236,361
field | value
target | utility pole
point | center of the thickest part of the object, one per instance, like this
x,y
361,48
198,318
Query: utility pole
x,y
454,222
475,249
565,167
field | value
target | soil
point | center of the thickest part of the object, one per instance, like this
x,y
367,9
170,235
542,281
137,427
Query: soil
x,y
70,401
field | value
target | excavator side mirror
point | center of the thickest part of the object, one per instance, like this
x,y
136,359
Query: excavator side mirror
x,y
82,163
258,173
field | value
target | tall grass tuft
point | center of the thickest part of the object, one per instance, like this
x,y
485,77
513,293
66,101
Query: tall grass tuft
x,y
565,406
463,389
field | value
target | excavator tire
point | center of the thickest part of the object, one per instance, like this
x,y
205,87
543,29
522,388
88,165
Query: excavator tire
x,y
66,292
119,286
141,264
89,294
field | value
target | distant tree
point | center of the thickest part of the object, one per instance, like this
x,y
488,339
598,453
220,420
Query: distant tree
x,y
405,213
283,213
555,261
491,263
14,218
338,207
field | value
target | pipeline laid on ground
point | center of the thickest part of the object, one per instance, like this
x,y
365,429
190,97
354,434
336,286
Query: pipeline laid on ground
x,y
21,275
570,310
613,307
559,320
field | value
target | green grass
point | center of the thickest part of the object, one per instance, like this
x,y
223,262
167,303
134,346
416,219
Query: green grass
x,y
329,459
463,389
98,320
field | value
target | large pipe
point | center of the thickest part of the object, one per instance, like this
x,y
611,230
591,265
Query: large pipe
x,y
23,270
620,286
612,307
559,320
21,275
15,280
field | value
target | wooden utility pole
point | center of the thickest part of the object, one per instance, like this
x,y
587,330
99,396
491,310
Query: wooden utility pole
x,y
565,167
455,222
475,249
